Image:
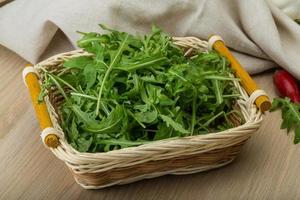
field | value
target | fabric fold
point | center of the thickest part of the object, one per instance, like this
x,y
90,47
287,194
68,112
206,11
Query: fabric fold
x,y
261,35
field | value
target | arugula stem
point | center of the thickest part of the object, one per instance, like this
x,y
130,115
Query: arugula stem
x,y
108,72
63,71
209,72
54,77
201,127
195,95
58,87
65,82
132,115
89,96
223,63
213,118
84,95
221,78
105,109
218,92
174,73
225,96
123,142
139,65
103,63
83,42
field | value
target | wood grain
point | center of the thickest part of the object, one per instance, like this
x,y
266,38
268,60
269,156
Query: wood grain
x,y
267,167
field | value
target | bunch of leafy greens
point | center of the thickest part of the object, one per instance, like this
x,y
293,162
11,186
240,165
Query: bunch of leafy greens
x,y
290,115
133,90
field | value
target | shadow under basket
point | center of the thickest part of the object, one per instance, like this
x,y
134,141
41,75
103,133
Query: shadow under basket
x,y
184,155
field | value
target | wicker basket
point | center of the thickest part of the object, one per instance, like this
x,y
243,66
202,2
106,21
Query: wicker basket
x,y
169,156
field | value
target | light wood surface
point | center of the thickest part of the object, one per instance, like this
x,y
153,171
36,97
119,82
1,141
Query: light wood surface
x,y
267,168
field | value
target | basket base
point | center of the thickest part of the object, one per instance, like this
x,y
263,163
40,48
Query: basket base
x,y
188,164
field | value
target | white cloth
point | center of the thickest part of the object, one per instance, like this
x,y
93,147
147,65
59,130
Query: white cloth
x,y
261,35
289,7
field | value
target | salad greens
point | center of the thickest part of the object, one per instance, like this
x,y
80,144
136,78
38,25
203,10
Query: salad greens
x,y
133,90
290,115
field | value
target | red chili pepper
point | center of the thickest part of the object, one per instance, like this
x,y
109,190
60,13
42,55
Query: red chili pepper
x,y
286,85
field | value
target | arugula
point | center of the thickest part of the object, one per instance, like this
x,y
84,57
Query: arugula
x,y
114,59
133,90
170,122
290,115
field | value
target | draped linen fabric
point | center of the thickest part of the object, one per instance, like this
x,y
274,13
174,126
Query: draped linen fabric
x,y
258,32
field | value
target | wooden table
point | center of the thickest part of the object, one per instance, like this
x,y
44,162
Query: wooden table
x,y
267,168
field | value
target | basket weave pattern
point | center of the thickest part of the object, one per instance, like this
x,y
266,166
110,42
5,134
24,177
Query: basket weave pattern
x,y
169,156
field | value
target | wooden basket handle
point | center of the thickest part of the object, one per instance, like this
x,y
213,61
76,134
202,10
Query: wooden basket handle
x,y
49,135
262,102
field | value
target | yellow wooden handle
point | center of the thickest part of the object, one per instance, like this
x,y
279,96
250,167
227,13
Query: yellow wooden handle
x,y
262,102
41,111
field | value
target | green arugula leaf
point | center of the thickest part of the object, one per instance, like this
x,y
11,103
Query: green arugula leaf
x,y
170,122
163,132
82,116
290,115
108,125
78,62
146,117
297,135
73,134
83,144
90,75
